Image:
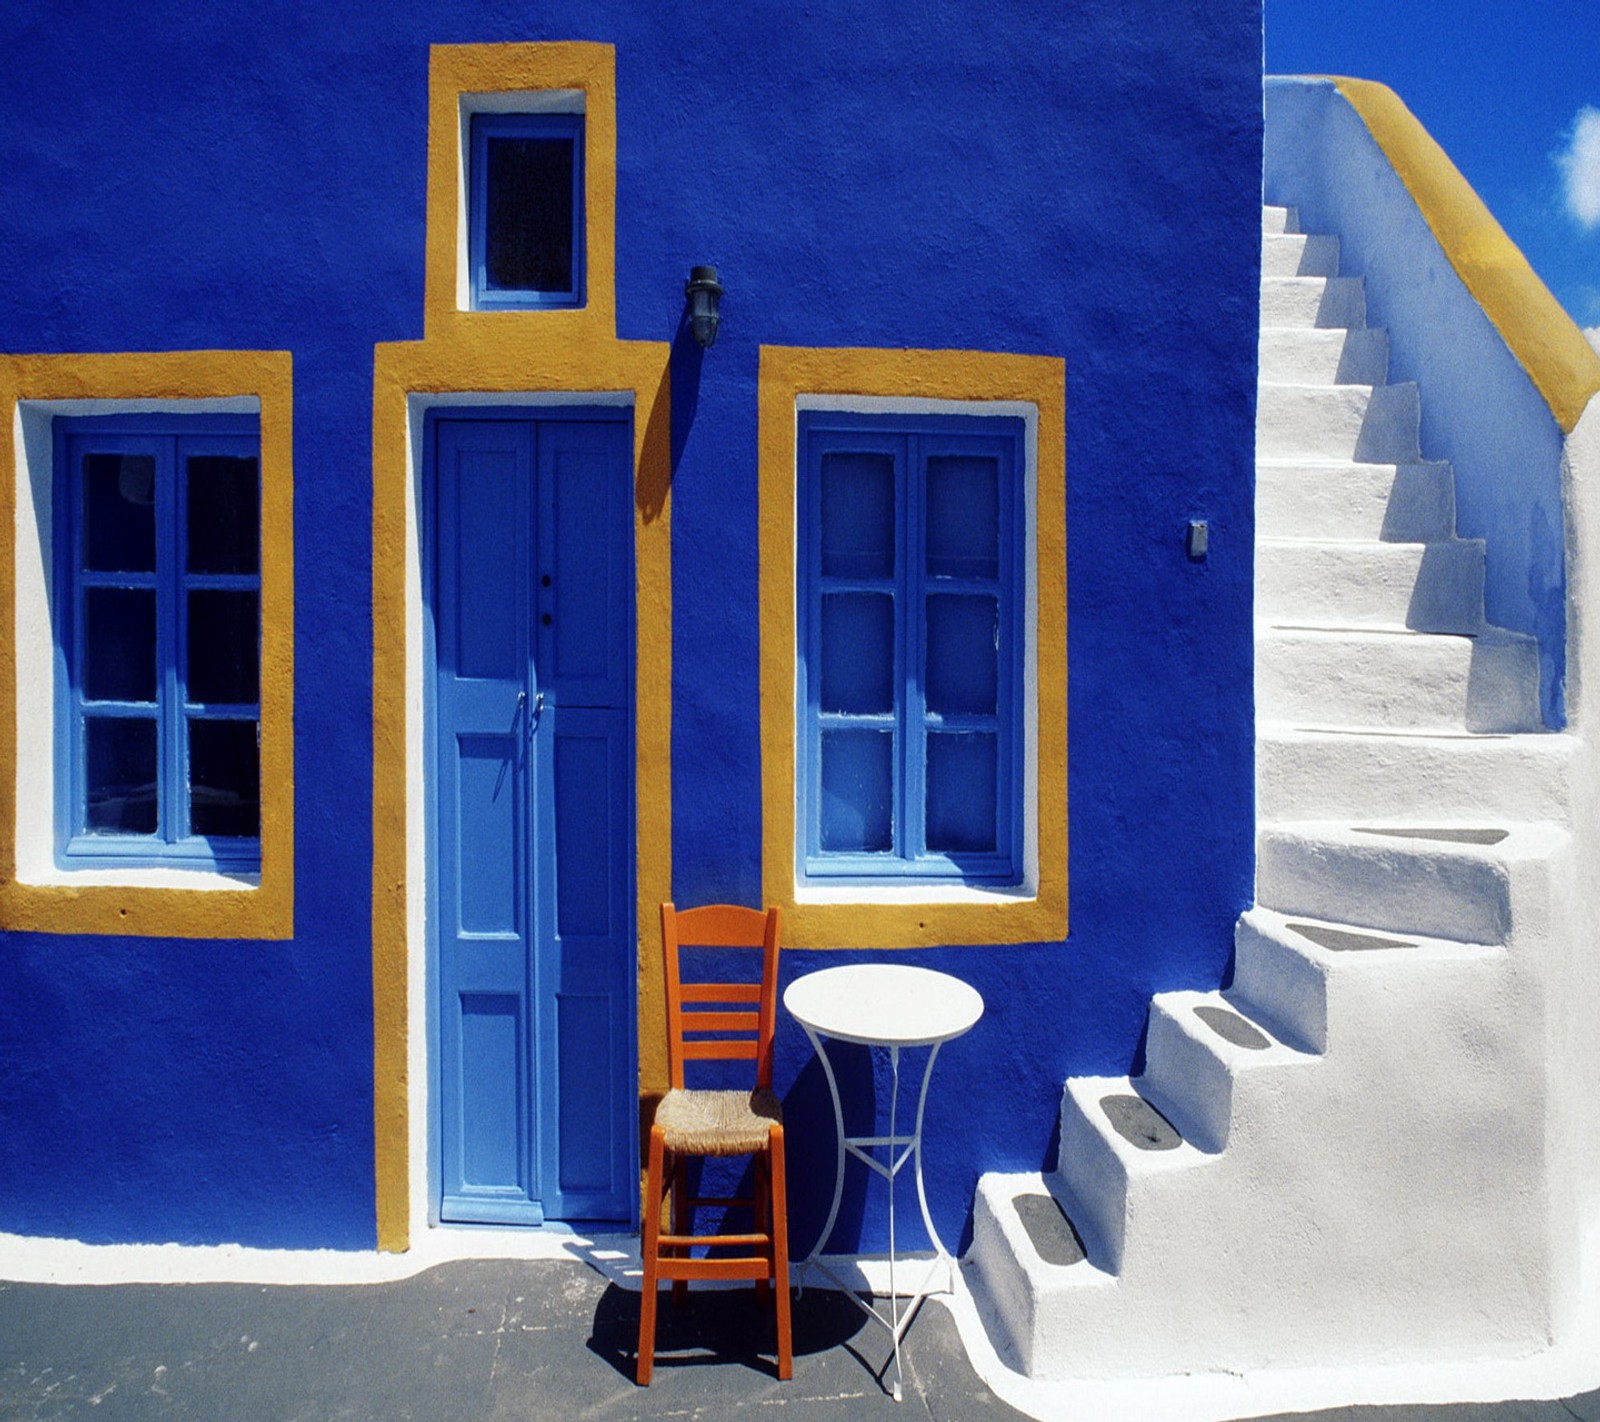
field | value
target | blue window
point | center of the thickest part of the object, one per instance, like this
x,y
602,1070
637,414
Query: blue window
x,y
911,603
158,634
525,211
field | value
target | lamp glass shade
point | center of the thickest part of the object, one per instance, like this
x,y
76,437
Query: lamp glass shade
x,y
705,300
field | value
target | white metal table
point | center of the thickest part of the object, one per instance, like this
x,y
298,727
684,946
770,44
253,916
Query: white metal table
x,y
898,1007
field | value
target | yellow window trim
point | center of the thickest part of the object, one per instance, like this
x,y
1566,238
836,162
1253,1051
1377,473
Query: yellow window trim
x,y
266,910
456,72
790,374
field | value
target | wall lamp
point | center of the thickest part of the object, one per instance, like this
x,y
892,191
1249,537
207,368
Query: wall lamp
x,y
705,302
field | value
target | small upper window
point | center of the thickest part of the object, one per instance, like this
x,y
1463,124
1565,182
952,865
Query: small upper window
x,y
911,600
526,218
158,628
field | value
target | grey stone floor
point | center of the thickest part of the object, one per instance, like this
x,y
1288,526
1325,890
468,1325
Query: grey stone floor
x,y
480,1340
492,1340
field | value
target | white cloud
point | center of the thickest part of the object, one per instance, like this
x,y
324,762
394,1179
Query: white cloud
x,y
1580,167
1593,333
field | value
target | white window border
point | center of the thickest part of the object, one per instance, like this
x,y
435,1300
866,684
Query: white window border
x,y
36,660
509,101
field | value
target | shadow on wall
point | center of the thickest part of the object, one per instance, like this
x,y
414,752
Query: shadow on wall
x,y
682,377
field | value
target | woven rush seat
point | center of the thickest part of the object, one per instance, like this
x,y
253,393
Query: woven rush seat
x,y
718,1122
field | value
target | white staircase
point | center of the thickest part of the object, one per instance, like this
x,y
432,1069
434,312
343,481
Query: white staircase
x,y
1339,1157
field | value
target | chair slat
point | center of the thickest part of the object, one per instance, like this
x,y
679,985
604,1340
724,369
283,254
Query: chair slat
x,y
721,1021
756,1268
720,992
719,1051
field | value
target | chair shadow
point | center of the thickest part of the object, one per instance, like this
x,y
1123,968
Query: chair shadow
x,y
727,1326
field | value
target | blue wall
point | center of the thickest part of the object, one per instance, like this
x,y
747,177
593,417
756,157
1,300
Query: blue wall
x,y
1082,184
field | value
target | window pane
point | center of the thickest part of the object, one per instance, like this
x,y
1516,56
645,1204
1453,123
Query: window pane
x,y
119,644
120,775
224,778
528,222
224,646
963,517
119,513
962,655
857,772
857,516
857,653
961,792
224,514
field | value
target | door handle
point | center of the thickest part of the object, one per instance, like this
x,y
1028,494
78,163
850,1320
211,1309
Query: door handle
x,y
538,711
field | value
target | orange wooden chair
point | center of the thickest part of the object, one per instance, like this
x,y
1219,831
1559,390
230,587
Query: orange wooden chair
x,y
717,1021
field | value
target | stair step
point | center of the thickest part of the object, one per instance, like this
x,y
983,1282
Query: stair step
x,y
1410,879
1299,254
1199,1052
1361,1030
1396,679
1310,980
1139,1123
1312,1120
1049,1230
1309,301
1279,219
1024,1265
1408,502
1112,1137
1429,587
1290,356
1302,771
1369,424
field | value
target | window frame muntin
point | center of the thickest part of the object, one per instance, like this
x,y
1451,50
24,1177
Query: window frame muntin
x,y
482,124
1004,433
75,847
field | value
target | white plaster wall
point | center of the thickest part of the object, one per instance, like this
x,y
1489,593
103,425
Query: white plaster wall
x,y
1390,1199
1506,450
1575,1018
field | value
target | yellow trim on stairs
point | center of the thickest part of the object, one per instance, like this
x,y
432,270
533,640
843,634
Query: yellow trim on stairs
x,y
1546,341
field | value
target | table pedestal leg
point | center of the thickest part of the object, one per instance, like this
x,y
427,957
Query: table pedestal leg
x,y
909,1148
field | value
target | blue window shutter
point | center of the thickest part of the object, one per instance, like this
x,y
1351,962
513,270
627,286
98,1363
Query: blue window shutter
x,y
911,598
158,652
525,211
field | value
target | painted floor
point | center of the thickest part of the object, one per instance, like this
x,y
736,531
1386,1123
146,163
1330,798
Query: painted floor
x,y
497,1339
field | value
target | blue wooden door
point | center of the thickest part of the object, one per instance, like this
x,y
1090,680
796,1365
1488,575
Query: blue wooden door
x,y
532,838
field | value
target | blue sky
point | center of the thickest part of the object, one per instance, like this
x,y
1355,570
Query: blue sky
x,y
1509,88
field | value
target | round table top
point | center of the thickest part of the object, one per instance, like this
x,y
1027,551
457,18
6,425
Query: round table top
x,y
884,1004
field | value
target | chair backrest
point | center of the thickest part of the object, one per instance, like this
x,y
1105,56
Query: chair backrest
x,y
722,1019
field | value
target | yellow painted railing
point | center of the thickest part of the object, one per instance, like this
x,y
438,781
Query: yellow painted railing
x,y
1548,345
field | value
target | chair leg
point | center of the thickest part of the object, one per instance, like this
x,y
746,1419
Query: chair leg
x,y
655,1191
763,1222
779,1206
682,1220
